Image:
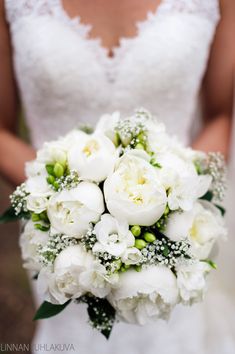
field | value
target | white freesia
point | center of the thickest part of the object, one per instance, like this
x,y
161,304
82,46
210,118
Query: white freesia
x,y
55,151
178,225
202,226
207,227
184,185
113,236
35,168
71,211
133,192
131,256
142,297
191,280
106,125
93,156
31,241
36,203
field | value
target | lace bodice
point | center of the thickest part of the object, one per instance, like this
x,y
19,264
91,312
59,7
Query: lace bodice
x,y
66,79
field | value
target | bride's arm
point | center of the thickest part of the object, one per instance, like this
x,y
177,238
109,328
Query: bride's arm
x,y
218,86
13,152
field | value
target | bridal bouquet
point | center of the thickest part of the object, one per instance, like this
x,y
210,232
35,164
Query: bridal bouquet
x,y
123,218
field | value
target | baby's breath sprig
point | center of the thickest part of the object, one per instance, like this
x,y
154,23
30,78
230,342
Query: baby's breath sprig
x,y
68,182
56,243
89,239
132,131
19,199
165,252
214,164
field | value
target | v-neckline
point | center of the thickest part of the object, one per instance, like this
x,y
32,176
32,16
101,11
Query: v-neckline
x,y
85,29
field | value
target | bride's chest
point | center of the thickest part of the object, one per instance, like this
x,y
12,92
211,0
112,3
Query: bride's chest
x,y
165,52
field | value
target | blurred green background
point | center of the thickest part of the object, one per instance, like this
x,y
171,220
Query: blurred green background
x,y
16,304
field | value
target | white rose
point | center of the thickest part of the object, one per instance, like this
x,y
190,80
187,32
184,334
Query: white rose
x,y
133,192
113,236
145,296
31,241
191,280
207,227
106,125
71,211
184,185
93,156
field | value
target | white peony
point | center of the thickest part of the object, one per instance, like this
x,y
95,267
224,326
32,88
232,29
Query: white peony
x,y
191,280
142,297
113,236
181,180
31,241
71,211
93,157
75,273
133,192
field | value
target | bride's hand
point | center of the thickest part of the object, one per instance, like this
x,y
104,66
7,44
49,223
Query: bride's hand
x,y
218,86
13,152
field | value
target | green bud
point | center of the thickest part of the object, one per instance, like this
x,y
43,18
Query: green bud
x,y
149,237
41,227
123,269
138,268
127,266
136,230
56,185
58,170
116,139
50,169
50,179
43,216
140,244
139,146
167,210
118,264
35,217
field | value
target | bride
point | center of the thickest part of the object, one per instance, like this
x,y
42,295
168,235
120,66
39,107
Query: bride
x,y
69,61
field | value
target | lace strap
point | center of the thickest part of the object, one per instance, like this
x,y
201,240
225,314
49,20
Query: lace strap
x,y
206,8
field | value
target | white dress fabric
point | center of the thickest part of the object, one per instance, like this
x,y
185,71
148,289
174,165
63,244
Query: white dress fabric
x,y
66,79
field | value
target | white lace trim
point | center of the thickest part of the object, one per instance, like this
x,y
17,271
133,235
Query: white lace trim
x,y
18,8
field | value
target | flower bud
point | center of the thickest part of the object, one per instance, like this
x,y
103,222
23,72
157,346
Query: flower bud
x,y
58,170
140,244
50,169
50,179
35,217
136,230
139,146
149,237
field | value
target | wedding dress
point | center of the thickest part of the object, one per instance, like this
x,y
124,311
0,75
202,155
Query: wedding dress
x,y
65,79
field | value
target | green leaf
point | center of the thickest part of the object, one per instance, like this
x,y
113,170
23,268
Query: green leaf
x,y
208,196
211,263
10,216
101,313
222,210
47,310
